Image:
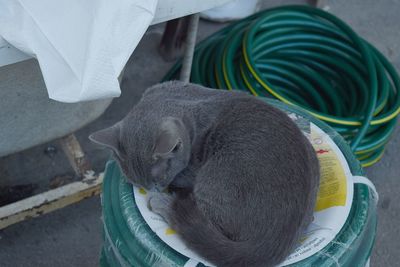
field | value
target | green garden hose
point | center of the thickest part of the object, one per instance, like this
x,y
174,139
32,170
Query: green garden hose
x,y
130,241
306,57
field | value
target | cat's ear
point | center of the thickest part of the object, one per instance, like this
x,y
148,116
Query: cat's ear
x,y
169,139
108,137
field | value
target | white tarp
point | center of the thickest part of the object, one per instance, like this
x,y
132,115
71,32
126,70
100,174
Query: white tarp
x,y
81,46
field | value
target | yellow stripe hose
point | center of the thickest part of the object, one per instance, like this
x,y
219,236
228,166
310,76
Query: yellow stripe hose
x,y
306,57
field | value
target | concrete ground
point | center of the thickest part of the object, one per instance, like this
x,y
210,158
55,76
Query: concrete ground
x,y
72,236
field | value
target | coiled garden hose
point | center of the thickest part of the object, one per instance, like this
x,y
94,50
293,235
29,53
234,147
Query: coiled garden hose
x,y
306,57
130,241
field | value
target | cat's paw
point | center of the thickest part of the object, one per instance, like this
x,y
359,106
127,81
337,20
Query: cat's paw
x,y
160,203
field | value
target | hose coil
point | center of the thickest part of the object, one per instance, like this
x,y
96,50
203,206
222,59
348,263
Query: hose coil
x,y
306,57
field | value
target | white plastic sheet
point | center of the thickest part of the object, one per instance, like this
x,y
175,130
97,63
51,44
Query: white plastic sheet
x,y
81,46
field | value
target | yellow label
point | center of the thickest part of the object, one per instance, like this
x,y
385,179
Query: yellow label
x,y
170,231
333,185
142,191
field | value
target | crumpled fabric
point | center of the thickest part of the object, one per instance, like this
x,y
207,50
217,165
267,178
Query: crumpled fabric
x,y
81,46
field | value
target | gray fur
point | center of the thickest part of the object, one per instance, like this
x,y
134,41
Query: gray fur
x,y
248,174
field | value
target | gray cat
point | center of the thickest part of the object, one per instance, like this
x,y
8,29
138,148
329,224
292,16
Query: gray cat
x,y
246,178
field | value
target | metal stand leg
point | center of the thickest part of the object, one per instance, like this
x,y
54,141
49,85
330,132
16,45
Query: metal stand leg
x,y
189,50
75,155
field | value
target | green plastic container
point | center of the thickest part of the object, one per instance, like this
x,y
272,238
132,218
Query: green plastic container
x,y
129,240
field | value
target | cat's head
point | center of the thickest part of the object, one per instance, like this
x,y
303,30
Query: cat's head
x,y
150,154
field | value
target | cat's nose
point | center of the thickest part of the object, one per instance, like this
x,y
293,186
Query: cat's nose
x,y
152,187
159,187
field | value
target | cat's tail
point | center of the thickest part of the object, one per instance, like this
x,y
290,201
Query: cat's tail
x,y
204,238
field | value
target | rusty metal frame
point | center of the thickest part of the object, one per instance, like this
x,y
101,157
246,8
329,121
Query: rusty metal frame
x,y
49,201
60,197
75,154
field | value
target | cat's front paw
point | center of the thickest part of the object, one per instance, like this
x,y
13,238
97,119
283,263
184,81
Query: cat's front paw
x,y
160,203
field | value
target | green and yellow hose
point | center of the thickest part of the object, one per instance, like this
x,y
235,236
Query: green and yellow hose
x,y
130,241
308,58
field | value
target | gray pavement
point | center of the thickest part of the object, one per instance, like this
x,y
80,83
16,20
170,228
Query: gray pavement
x,y
72,236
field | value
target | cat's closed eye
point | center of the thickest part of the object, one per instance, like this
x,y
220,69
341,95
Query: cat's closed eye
x,y
177,147
121,151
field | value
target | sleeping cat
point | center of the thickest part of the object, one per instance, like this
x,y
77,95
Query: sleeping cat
x,y
247,176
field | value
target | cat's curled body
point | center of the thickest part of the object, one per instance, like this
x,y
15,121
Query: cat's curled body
x,y
250,175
